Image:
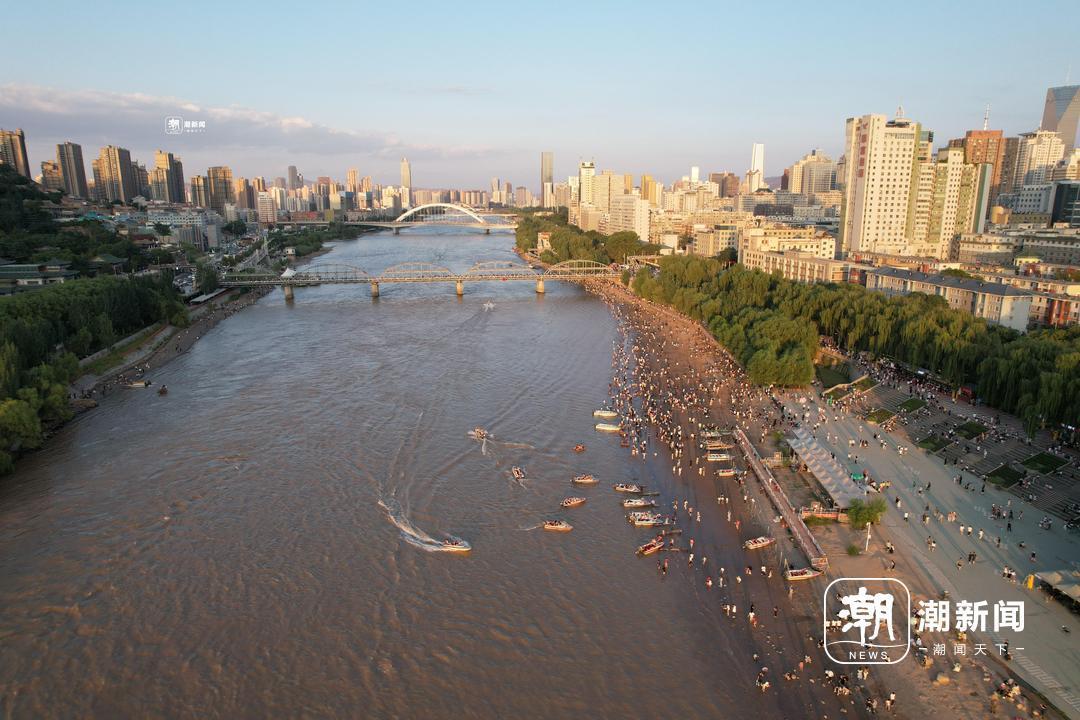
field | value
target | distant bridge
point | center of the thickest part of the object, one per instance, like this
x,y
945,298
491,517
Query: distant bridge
x,y
414,272
429,215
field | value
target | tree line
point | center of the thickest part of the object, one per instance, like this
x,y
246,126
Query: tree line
x,y
773,327
572,243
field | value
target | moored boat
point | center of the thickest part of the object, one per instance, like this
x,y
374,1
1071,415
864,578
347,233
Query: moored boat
x,y
607,427
139,384
653,546
558,526
801,574
605,413
647,519
758,542
629,488
638,503
584,480
572,502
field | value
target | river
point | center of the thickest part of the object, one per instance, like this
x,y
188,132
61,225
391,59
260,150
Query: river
x,y
257,542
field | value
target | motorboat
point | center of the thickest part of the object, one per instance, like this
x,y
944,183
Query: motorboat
x,y
653,546
518,473
605,413
715,456
638,503
455,545
558,526
608,427
801,574
579,448
585,480
139,384
758,542
572,502
479,433
647,519
629,488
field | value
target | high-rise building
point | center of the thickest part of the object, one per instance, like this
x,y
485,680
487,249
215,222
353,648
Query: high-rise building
x,y
13,151
171,180
352,180
141,178
695,175
265,206
586,172
629,212
114,179
755,177
51,178
955,201
606,186
1062,113
813,173
1065,203
294,178
200,191
727,182
1008,165
1038,153
70,159
406,173
243,194
547,171
881,183
219,188
985,147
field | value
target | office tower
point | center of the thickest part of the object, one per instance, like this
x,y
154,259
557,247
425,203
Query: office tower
x,y
113,177
200,192
1062,113
695,175
881,182
13,151
406,173
352,180
1036,156
813,173
51,179
69,158
1065,203
586,172
219,188
170,180
985,147
293,178
266,208
755,177
727,182
547,169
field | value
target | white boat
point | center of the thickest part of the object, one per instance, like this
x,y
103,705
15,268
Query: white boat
x,y
647,519
585,480
572,502
558,526
456,545
629,488
638,503
758,542
605,413
517,472
139,384
802,574
718,457
653,546
608,427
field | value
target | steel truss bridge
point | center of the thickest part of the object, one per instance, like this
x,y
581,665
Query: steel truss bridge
x,y
417,272
429,215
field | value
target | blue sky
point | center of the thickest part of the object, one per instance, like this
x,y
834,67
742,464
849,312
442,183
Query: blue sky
x,y
470,90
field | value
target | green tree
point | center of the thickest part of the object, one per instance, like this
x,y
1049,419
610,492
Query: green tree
x,y
206,278
861,514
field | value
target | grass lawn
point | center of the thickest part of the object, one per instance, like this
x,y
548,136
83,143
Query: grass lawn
x,y
1004,476
838,393
831,374
865,384
933,443
971,430
1043,463
116,357
912,404
879,416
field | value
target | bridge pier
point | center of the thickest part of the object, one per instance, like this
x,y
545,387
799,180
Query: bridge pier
x,y
487,231
540,286
288,293
460,288
397,231
374,290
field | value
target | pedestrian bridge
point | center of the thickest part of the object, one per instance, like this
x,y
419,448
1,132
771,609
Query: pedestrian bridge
x,y
419,272
430,215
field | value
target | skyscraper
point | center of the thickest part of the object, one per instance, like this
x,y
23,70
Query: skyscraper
x,y
171,179
547,178
51,179
219,188
1062,113
755,178
13,151
406,183
352,180
294,178
114,179
985,147
69,158
1039,151
586,172
813,173
200,194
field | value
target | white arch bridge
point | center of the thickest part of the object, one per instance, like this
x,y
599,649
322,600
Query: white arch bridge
x,y
431,215
418,272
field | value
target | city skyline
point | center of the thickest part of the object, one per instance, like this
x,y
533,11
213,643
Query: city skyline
x,y
460,131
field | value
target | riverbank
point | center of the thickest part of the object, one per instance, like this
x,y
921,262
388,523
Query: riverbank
x,y
682,352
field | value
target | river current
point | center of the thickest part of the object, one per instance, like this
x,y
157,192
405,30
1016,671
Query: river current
x,y
262,541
